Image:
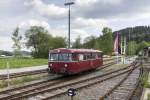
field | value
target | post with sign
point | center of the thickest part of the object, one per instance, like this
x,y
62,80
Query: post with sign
x,y
8,74
71,92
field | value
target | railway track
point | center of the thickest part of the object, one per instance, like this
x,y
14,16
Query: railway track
x,y
110,59
51,79
88,83
59,77
125,88
54,87
21,74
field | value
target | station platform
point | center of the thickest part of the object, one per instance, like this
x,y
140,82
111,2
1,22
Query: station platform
x,y
25,69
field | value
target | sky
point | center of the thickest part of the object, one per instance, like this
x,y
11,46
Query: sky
x,y
88,17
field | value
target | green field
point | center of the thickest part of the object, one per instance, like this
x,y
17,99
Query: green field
x,y
21,62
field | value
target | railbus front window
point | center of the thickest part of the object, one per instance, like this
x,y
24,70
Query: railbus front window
x,y
53,57
81,57
60,57
93,56
65,57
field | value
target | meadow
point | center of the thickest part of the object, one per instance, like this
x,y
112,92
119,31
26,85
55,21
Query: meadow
x,y
21,62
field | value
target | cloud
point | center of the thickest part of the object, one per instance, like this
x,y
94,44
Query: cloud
x,y
98,9
7,25
79,32
6,43
88,17
6,3
32,22
112,8
50,10
58,31
85,2
89,23
54,30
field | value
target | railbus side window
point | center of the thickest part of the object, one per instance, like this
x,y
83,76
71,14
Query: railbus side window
x,y
94,56
80,57
88,56
84,57
75,57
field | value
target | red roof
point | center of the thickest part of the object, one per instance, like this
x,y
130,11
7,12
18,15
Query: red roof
x,y
65,50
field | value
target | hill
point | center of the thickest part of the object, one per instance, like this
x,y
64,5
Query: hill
x,y
138,33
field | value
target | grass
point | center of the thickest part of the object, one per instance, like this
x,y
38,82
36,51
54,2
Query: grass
x,y
148,97
144,79
21,62
20,81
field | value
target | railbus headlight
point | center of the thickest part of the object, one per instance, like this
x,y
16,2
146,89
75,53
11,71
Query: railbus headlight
x,y
51,65
66,65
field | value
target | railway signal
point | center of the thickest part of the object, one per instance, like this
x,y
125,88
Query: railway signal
x,y
71,92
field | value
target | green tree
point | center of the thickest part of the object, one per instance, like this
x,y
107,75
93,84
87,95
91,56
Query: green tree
x,y
106,41
103,42
89,42
17,42
132,48
96,45
41,42
142,45
77,43
58,42
106,30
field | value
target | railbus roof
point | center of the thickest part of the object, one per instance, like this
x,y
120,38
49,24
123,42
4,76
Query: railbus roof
x,y
66,50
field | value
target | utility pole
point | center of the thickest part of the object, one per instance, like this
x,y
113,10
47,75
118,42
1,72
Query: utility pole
x,y
123,44
128,44
69,4
123,47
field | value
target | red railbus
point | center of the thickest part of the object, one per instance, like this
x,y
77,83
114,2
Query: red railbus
x,y
73,61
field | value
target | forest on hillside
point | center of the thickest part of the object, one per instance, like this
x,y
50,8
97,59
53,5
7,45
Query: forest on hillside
x,y
137,34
